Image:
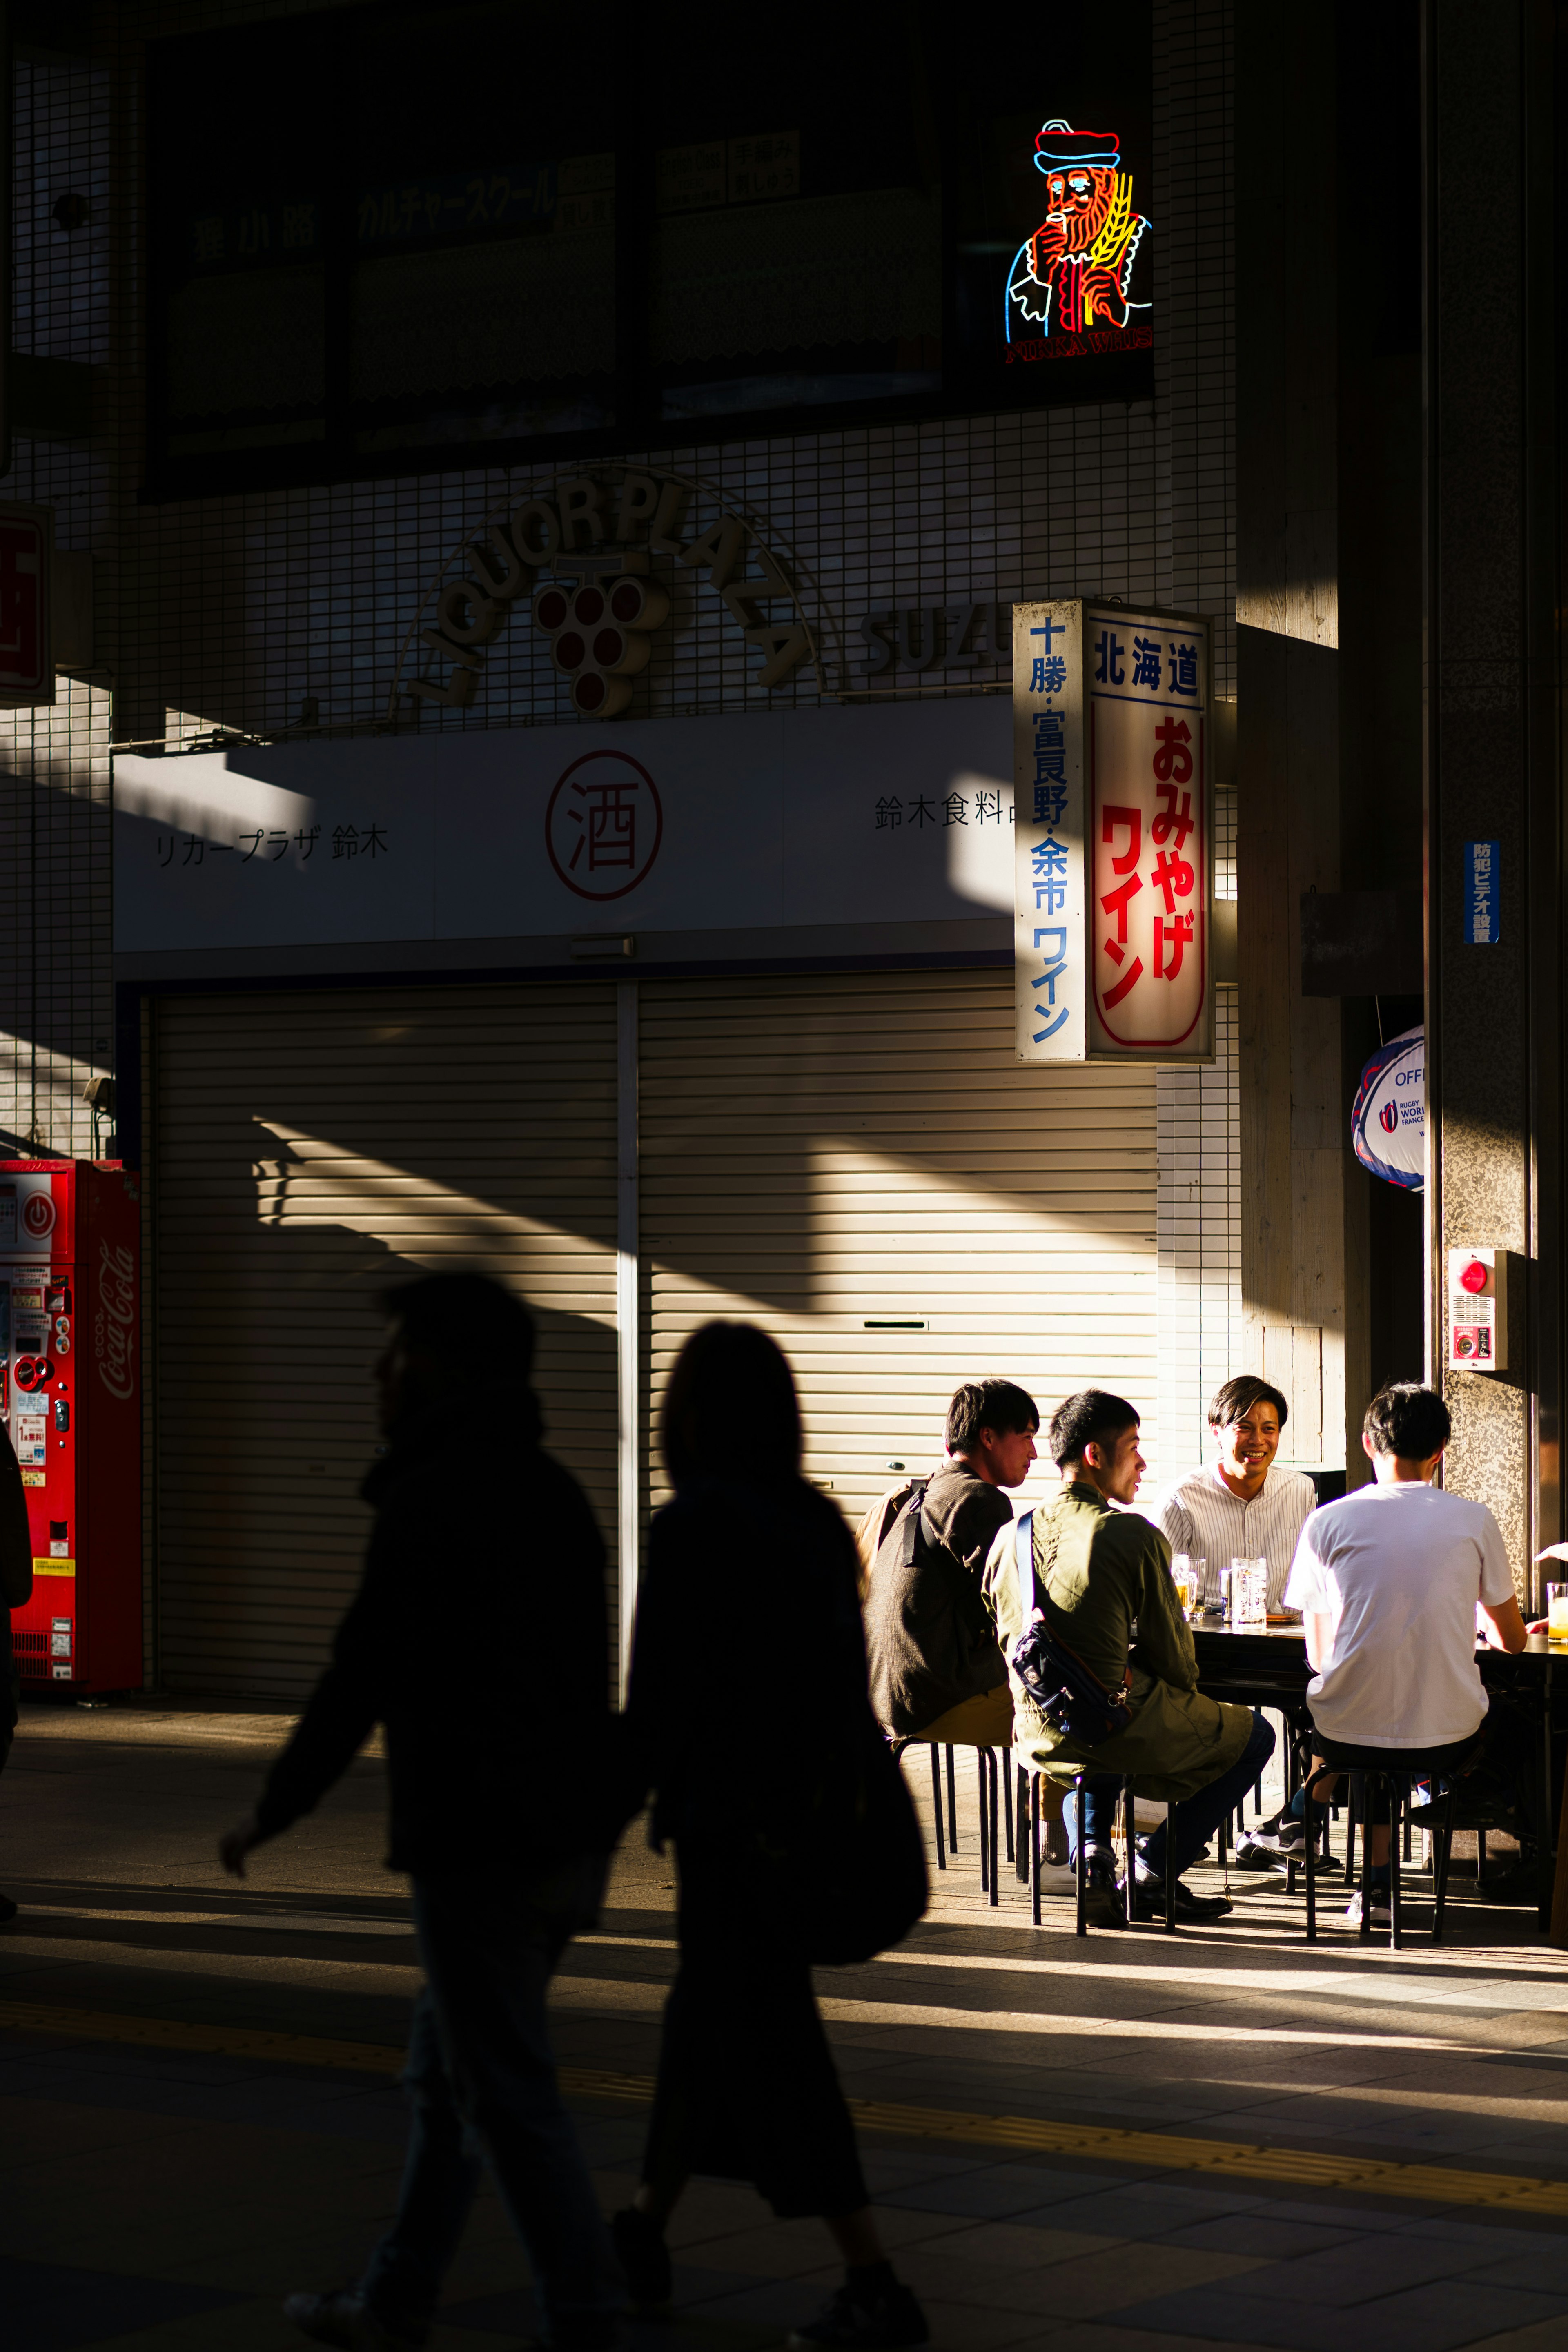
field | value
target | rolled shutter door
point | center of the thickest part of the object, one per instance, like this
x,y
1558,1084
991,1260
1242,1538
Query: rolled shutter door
x,y
824,1154
307,1149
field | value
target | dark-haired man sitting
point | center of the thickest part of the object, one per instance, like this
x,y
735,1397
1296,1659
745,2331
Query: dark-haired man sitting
x,y
929,1639
1099,1569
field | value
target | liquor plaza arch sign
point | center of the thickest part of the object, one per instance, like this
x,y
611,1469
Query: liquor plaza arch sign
x,y
578,556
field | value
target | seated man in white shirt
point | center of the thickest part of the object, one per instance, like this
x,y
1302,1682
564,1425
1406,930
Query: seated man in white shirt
x,y
1245,1506
1395,1582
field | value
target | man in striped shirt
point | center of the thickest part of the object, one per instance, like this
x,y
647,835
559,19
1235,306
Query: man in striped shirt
x,y
1242,1507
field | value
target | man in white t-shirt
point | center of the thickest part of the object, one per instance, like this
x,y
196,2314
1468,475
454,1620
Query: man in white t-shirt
x,y
1396,1582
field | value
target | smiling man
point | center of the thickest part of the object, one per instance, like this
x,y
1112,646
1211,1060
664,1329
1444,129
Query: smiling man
x,y
1243,1507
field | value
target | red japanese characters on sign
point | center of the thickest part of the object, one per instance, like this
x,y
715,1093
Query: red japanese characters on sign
x,y
26,655
603,824
1148,834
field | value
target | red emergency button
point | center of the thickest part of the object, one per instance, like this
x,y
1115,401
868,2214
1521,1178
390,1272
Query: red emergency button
x,y
1474,1277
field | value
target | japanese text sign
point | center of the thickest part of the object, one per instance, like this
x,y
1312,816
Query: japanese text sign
x,y
1114,869
1483,869
27,651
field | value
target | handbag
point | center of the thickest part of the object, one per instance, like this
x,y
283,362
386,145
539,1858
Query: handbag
x,y
841,1863
1069,1694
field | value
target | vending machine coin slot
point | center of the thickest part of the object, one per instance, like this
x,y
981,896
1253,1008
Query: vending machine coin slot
x,y
62,1415
59,1539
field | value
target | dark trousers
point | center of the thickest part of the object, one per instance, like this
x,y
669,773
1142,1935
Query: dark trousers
x,y
482,2080
1191,1822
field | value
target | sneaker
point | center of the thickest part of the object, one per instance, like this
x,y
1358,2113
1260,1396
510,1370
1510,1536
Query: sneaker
x,y
1251,1855
343,2317
644,2259
888,2316
1148,1902
1382,1908
1103,1905
1284,1835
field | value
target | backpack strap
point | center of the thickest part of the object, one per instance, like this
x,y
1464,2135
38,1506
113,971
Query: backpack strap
x,y
1024,1538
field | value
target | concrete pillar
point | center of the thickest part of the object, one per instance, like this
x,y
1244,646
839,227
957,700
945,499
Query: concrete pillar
x,y
1302,1240
1494,1057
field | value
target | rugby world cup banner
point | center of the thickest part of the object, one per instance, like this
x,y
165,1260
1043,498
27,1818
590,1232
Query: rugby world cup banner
x,y
1388,1117
1113,840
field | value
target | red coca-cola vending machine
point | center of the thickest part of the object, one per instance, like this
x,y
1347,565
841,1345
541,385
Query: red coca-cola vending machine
x,y
70,1389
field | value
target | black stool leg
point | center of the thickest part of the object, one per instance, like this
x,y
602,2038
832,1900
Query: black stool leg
x,y
1035,1847
994,1793
1366,1809
1081,1873
1006,1779
1021,1802
1127,1884
1480,1857
1311,1874
1442,1844
951,1807
980,1755
1170,1871
936,1804
1396,1822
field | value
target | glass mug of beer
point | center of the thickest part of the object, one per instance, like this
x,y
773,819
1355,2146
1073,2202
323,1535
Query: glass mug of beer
x,y
1557,1613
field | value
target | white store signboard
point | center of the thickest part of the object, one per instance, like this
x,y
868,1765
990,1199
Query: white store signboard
x,y
901,814
1113,845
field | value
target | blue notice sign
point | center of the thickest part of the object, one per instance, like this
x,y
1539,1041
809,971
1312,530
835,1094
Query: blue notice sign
x,y
1483,862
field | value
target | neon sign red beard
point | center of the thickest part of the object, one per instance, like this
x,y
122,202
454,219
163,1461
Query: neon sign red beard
x,y
1081,228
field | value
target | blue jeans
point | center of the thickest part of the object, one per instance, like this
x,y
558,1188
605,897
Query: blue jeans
x,y
1194,1821
482,2079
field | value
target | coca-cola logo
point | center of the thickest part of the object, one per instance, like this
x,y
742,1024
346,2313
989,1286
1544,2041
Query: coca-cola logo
x,y
114,1324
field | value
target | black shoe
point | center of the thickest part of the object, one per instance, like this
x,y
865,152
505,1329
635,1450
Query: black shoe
x,y
7,1910
644,2259
1053,1846
888,2316
1148,1903
1251,1856
1102,1901
343,2318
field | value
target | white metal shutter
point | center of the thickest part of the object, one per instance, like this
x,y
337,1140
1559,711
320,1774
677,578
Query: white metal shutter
x,y
308,1149
818,1153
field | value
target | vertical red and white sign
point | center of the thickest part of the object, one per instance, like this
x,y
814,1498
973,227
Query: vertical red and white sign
x,y
1149,836
27,647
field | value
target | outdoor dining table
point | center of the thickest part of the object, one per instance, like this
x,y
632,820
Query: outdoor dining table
x,y
1267,1667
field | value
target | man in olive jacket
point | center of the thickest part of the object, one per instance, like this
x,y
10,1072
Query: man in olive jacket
x,y
1097,1573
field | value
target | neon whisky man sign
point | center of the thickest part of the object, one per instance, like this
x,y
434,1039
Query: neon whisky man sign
x,y
1070,290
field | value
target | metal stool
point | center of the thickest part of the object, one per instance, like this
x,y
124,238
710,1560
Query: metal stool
x,y
1079,1873
1395,1777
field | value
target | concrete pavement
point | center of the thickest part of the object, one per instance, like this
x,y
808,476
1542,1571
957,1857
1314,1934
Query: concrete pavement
x,y
1138,2144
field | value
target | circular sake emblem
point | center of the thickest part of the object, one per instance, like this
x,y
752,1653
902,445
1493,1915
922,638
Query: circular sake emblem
x,y
603,824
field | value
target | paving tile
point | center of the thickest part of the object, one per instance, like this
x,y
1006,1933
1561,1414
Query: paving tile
x,y
1435,2318
1361,2271
49,2307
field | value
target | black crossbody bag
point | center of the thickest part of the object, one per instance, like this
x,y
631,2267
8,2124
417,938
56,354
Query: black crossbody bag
x,y
1073,1700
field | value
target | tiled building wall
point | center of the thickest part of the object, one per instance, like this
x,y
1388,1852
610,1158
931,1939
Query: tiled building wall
x,y
238,611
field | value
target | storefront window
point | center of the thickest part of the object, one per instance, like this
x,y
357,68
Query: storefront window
x,y
401,233
796,250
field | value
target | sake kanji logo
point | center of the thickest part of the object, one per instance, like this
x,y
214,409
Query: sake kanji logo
x,y
600,636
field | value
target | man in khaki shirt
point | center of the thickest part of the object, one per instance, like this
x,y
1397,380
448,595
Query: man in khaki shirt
x,y
1097,1570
